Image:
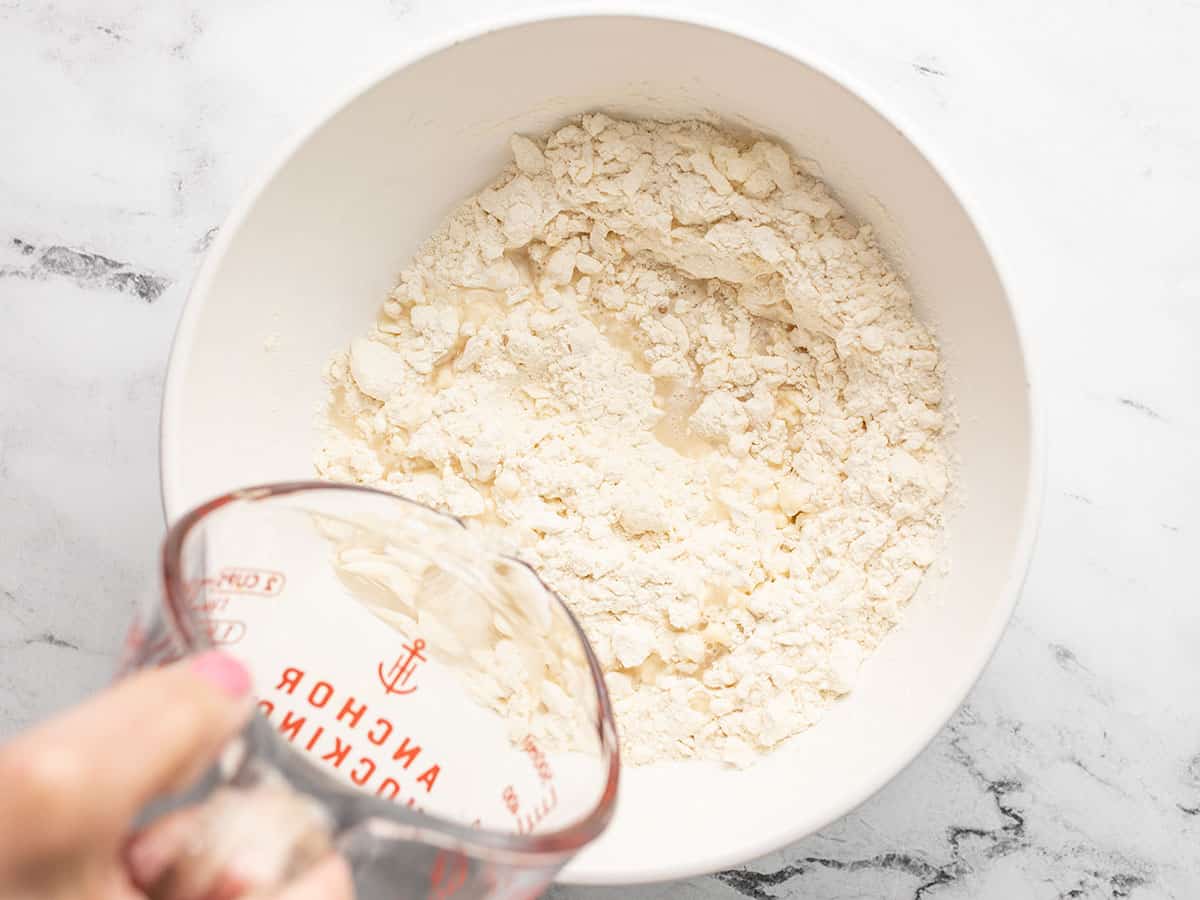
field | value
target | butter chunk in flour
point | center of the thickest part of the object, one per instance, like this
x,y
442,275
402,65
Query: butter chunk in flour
x,y
664,363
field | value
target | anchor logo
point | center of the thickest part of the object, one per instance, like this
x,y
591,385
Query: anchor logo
x,y
395,679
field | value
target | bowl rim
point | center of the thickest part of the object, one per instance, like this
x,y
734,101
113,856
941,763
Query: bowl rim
x,y
952,699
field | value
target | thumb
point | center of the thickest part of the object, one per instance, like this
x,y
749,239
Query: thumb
x,y
84,775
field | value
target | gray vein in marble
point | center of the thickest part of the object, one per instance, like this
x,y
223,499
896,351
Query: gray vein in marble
x,y
10,606
967,850
962,841
51,640
205,240
182,48
922,69
1086,770
1193,769
1142,408
754,884
85,268
1066,658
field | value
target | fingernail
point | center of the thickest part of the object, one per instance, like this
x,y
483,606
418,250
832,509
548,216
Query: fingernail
x,y
223,672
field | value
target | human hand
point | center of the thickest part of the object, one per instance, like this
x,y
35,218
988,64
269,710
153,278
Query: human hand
x,y
70,789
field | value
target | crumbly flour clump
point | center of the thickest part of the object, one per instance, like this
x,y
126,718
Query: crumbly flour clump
x,y
663,363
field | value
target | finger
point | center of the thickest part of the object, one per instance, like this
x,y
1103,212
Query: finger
x,y
327,880
118,886
84,775
180,857
238,839
156,848
153,854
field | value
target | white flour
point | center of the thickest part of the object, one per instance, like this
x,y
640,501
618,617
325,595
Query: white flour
x,y
662,362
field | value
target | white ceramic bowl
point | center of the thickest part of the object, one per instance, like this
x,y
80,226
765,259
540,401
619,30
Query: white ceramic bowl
x,y
310,253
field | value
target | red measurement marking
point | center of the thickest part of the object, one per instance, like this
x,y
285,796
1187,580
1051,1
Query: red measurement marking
x,y
225,631
510,799
208,603
259,582
540,764
530,818
529,821
448,875
395,680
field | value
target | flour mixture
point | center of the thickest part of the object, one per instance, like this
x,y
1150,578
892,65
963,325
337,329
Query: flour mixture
x,y
663,363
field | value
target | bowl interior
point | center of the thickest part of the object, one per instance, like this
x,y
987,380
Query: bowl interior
x,y
303,268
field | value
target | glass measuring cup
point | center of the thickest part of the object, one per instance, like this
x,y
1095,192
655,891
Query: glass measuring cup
x,y
426,705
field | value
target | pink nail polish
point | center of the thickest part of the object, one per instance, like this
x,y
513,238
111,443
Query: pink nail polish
x,y
222,672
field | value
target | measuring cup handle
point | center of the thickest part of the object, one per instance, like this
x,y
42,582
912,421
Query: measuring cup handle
x,y
264,815
385,867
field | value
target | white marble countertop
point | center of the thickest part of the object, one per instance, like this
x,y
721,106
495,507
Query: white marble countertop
x,y
1074,769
